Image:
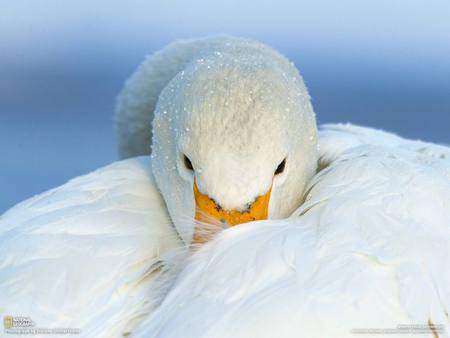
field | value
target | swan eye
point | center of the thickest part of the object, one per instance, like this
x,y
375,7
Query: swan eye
x,y
187,163
280,167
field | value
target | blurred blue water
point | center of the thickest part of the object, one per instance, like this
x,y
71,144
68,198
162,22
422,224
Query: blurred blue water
x,y
378,63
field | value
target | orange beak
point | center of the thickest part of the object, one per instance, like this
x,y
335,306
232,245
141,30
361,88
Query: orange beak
x,y
212,218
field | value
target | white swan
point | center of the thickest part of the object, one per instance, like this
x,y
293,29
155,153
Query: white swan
x,y
235,136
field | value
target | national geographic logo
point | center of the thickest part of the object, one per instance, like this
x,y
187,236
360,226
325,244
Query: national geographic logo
x,y
8,322
25,325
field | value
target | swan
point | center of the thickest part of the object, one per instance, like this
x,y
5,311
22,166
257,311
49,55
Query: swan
x,y
234,132
346,228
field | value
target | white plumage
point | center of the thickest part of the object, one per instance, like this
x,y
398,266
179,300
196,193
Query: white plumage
x,y
369,249
83,255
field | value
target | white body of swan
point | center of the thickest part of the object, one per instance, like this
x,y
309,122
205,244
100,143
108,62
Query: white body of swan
x,y
368,250
83,255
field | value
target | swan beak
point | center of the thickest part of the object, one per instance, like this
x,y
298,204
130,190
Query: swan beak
x,y
211,218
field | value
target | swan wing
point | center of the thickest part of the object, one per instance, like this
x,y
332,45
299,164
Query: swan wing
x,y
83,255
367,252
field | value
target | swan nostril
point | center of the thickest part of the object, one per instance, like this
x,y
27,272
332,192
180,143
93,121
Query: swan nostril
x,y
217,206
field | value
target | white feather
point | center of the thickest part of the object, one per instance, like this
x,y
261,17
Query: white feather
x,y
369,249
84,255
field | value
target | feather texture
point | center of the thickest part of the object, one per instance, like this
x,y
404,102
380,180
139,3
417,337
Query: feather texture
x,y
84,255
369,249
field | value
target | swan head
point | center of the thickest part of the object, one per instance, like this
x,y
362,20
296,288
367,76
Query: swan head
x,y
234,140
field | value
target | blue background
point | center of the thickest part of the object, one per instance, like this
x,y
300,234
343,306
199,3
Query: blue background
x,y
383,63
